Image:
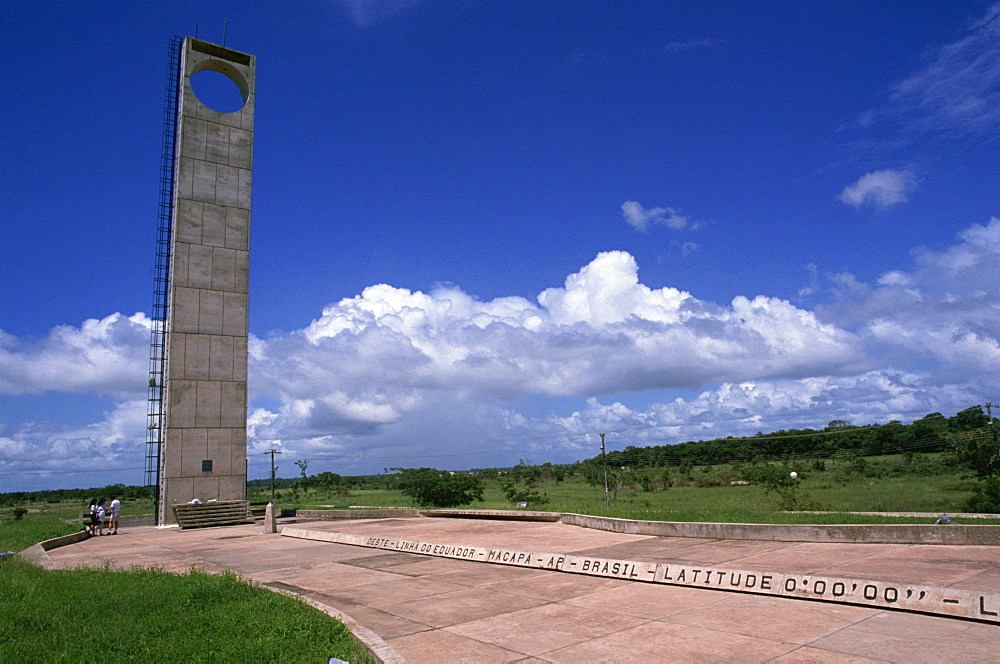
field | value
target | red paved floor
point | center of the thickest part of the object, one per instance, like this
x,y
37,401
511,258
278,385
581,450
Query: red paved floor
x,y
437,609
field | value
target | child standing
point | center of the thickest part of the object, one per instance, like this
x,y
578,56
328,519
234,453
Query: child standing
x,y
92,524
101,508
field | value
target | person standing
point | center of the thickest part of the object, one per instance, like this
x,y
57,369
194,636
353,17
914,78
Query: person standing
x,y
101,510
92,524
115,508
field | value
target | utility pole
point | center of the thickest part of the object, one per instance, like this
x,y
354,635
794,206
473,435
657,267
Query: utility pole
x,y
993,430
272,453
604,461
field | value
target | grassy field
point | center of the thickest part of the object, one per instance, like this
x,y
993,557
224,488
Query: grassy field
x,y
18,535
880,484
896,483
733,504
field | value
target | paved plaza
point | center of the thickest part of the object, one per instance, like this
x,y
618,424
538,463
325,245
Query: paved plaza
x,y
432,609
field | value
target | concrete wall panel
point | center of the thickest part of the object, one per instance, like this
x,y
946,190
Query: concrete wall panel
x,y
189,221
240,351
213,231
194,139
223,269
183,410
221,359
233,405
199,265
241,271
233,485
209,403
194,448
227,185
203,181
240,148
210,312
206,488
238,228
217,149
246,115
246,180
196,351
180,264
218,448
172,451
235,314
185,178
238,454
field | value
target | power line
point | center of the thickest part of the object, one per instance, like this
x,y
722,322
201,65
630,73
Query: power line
x,y
66,472
434,456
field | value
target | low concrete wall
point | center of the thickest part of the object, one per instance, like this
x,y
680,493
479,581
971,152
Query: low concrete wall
x,y
501,515
134,520
858,533
338,515
63,540
37,553
891,533
129,521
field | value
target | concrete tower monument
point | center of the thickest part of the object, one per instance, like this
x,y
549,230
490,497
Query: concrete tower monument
x,y
203,424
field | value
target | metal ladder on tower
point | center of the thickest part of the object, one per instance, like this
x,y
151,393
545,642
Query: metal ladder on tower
x,y
161,290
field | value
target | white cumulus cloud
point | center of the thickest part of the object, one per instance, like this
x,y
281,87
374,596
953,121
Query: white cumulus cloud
x,y
641,219
108,356
375,360
879,189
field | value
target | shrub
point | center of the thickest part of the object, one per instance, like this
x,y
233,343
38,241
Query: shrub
x,y
976,451
439,488
986,500
522,482
517,493
780,482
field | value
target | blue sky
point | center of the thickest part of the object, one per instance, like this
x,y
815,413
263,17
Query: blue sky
x,y
485,226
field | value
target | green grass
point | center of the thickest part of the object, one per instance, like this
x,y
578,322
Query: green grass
x,y
18,535
147,615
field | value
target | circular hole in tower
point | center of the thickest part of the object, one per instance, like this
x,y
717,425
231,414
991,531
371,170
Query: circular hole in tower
x,y
217,91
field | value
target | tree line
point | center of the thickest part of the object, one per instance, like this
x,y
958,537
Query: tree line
x,y
931,433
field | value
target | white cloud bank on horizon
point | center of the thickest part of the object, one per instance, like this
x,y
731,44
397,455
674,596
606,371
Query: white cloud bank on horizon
x,y
393,373
945,314
879,189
